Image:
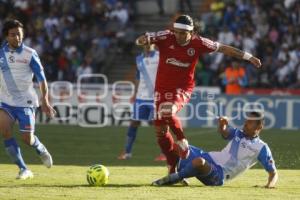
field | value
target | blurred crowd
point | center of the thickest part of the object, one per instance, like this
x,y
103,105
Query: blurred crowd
x,y
76,37
269,29
72,37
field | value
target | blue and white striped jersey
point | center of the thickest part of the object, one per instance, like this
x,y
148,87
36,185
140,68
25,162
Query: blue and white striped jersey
x,y
17,68
242,153
146,73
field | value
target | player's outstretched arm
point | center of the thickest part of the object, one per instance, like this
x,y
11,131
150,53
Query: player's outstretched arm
x,y
46,107
273,177
222,128
237,53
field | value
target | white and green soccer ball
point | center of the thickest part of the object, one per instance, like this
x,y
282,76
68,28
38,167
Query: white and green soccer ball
x,y
97,175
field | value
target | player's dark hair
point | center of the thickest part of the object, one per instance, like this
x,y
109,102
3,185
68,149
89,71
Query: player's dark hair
x,y
197,26
10,24
259,116
187,20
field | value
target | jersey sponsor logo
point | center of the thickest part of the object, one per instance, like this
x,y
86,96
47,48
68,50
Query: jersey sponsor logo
x,y
11,59
244,145
191,51
174,61
21,61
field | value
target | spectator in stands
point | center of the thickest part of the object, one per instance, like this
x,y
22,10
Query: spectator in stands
x,y
225,36
235,78
84,69
160,4
182,4
50,30
120,13
217,8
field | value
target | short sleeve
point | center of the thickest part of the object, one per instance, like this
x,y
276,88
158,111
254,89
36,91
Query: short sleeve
x,y
37,68
266,159
232,133
207,45
158,37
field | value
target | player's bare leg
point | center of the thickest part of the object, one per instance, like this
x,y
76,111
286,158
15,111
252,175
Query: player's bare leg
x,y
30,139
6,124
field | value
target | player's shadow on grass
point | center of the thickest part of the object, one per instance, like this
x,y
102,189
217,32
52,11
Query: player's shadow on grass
x,y
75,186
139,185
88,186
42,185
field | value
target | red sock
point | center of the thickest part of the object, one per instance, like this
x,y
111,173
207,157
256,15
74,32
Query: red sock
x,y
176,127
166,143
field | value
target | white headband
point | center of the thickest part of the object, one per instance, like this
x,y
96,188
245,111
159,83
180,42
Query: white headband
x,y
183,26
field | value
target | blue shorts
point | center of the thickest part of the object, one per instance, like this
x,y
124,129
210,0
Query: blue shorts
x,y
215,176
143,110
24,115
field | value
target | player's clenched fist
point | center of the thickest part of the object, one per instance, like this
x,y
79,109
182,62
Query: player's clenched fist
x,y
223,123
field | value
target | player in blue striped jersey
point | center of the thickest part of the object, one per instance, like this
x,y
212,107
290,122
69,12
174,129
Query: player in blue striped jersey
x,y
18,99
146,68
243,150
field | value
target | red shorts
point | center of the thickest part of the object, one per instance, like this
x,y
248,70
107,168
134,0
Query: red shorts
x,y
177,99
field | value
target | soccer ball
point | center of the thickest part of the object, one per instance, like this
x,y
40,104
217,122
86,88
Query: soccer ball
x,y
97,175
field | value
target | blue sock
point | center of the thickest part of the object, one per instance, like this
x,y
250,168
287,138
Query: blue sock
x,y
39,147
188,171
131,135
14,152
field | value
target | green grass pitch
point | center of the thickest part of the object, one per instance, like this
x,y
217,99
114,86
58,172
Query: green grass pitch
x,y
74,149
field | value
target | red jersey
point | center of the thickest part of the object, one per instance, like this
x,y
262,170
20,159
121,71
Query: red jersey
x,y
177,63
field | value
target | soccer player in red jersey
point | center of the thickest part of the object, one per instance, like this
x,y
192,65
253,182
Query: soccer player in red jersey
x,y
180,50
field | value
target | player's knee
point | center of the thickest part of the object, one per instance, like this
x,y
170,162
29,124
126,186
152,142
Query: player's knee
x,y
6,125
199,162
28,138
161,130
135,124
5,132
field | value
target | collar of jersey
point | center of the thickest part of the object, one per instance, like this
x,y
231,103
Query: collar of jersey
x,y
253,139
18,50
185,44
